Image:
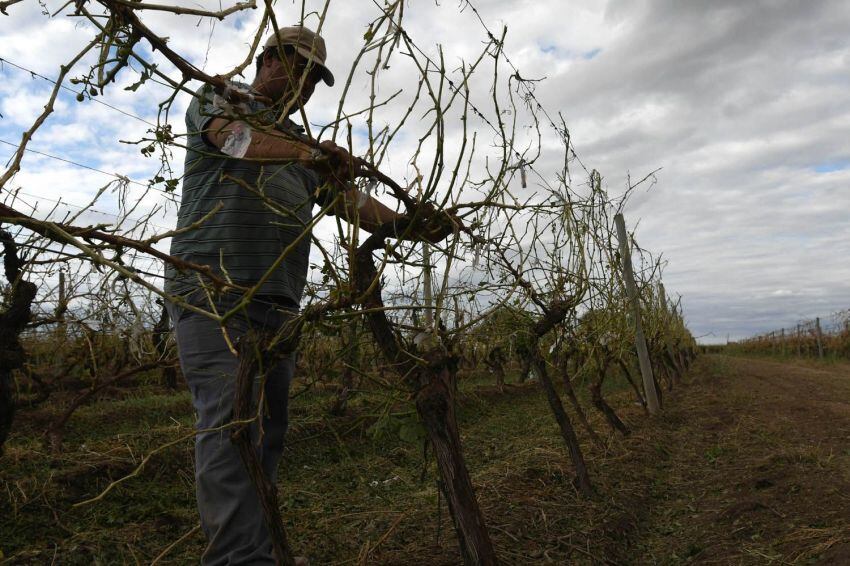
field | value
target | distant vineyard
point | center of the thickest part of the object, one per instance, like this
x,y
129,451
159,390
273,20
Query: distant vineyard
x,y
823,338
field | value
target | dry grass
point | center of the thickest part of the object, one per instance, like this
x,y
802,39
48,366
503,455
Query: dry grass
x,y
747,464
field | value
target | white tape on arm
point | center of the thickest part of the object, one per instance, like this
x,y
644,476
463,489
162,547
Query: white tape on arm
x,y
237,143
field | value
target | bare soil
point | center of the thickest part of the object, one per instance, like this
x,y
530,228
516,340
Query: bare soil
x,y
754,467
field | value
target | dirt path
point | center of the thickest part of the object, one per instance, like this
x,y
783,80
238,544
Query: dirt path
x,y
754,467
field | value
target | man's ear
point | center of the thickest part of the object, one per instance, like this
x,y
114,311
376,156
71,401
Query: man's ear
x,y
269,55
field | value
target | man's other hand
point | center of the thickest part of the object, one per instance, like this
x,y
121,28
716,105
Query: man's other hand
x,y
434,227
336,162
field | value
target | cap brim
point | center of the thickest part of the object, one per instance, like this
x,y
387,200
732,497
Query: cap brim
x,y
327,76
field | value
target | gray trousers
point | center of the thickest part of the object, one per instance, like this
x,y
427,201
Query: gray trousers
x,y
230,511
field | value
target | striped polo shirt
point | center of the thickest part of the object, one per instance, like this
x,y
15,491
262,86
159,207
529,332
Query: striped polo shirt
x,y
257,221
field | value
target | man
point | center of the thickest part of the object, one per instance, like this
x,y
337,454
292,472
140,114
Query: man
x,y
247,196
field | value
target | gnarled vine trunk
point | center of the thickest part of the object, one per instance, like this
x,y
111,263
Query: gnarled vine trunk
x,y
627,373
571,395
12,321
599,401
433,385
555,313
568,433
255,354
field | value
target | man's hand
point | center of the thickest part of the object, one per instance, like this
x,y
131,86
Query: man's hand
x,y
432,226
336,163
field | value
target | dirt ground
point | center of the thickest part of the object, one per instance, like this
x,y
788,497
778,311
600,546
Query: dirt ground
x,y
753,466
749,463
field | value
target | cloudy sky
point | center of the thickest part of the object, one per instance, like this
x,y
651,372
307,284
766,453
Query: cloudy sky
x,y
743,106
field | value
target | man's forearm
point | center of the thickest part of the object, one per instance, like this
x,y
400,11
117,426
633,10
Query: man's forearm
x,y
270,146
370,215
263,145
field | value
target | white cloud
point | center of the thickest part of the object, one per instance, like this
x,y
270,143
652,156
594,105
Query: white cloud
x,y
745,106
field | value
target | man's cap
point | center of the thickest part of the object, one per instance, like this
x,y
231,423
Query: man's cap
x,y
307,43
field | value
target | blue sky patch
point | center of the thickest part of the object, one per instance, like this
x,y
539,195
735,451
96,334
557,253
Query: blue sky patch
x,y
831,166
239,22
552,49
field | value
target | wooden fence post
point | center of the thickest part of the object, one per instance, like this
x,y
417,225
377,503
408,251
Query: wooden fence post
x,y
819,337
650,392
782,340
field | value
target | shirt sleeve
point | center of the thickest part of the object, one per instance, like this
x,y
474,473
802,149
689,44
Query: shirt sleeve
x,y
200,112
